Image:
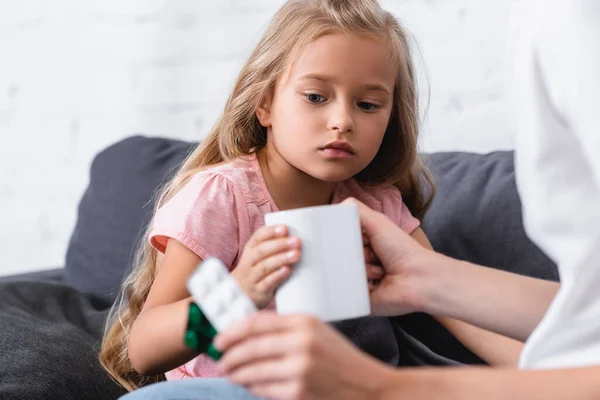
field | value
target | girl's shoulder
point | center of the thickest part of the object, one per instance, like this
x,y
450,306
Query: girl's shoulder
x,y
238,169
384,199
241,175
376,197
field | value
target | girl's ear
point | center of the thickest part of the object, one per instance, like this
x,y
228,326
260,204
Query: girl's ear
x,y
264,112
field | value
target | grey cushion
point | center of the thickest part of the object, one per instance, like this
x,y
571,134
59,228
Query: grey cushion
x,y
47,275
49,338
476,216
114,209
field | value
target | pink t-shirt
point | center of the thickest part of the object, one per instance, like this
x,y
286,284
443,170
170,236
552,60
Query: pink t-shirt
x,y
218,210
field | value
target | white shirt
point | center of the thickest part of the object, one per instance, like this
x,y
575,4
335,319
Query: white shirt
x,y
555,88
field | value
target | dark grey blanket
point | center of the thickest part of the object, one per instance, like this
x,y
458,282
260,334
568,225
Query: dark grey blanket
x,y
390,341
50,334
49,338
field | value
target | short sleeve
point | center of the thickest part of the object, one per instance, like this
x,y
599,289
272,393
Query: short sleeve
x,y
202,216
395,209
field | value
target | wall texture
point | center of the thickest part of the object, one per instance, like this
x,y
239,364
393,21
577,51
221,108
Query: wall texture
x,y
76,76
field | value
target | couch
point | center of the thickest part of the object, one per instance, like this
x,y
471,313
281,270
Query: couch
x,y
51,321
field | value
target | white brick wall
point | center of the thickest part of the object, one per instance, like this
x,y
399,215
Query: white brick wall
x,y
76,76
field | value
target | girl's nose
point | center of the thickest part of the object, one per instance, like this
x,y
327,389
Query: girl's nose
x,y
341,120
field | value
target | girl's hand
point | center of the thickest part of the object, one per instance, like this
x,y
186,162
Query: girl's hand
x,y
266,263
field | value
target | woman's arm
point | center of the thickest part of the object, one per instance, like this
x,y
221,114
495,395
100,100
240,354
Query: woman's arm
x,y
419,279
502,302
494,349
493,384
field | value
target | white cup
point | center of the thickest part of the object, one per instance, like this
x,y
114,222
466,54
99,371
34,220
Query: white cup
x,y
330,281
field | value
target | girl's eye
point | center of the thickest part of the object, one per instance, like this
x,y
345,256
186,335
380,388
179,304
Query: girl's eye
x,y
314,98
363,105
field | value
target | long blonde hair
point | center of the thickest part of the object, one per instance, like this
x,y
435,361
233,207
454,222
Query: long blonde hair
x,y
239,133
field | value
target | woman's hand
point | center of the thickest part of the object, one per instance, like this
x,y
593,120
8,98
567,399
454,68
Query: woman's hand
x,y
406,263
298,357
266,263
375,271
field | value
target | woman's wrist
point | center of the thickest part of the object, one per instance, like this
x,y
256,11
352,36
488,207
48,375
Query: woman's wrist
x,y
379,383
409,383
440,279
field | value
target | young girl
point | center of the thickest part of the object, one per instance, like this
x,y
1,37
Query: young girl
x,y
324,109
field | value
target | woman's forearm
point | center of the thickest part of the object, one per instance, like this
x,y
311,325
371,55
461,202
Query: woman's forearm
x,y
499,301
495,349
493,384
156,341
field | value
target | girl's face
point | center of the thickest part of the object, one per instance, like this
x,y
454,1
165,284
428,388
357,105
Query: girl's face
x,y
329,111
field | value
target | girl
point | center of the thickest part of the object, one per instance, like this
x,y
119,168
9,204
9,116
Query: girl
x,y
324,109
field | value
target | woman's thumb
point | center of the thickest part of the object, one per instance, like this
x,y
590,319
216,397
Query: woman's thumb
x,y
367,216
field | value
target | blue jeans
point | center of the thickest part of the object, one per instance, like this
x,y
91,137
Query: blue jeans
x,y
191,389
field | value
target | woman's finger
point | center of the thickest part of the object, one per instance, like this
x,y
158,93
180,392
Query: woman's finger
x,y
285,390
365,239
279,368
257,325
375,272
270,345
370,257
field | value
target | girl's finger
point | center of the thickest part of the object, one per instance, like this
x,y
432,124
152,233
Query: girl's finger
x,y
266,233
271,282
271,248
267,265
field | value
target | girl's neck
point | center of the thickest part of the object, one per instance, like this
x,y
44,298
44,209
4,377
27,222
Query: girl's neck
x,y
289,187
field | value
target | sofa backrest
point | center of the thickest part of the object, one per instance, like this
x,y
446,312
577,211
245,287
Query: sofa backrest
x,y
476,214
115,208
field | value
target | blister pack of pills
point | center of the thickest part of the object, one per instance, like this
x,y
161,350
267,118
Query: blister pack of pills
x,y
219,296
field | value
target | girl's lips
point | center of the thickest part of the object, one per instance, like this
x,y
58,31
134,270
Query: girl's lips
x,y
332,152
340,145
338,149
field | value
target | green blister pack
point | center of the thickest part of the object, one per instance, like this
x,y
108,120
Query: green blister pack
x,y
200,333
